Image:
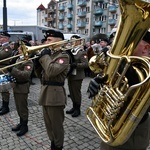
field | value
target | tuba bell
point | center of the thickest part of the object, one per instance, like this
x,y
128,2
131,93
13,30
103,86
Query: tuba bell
x,y
118,107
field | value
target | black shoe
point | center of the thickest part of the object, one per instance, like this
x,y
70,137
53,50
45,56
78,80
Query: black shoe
x,y
4,111
70,111
17,128
23,130
52,145
58,148
76,113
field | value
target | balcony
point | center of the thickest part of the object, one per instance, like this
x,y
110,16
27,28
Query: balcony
x,y
112,9
81,24
69,26
51,10
112,22
61,26
61,17
70,6
82,3
101,1
98,23
61,8
82,14
69,16
98,11
50,19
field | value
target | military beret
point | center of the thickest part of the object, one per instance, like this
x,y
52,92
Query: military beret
x,y
4,33
43,40
26,38
146,38
53,33
75,37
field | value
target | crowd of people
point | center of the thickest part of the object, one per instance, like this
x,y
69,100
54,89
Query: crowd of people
x,y
53,66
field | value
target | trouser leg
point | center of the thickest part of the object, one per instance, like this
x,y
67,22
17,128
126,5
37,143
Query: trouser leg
x,y
5,103
54,118
75,94
21,102
22,109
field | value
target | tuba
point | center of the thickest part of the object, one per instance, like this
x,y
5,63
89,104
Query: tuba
x,y
118,107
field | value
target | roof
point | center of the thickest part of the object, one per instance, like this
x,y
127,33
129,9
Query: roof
x,y
41,7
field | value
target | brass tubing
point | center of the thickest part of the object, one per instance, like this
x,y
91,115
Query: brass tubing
x,y
10,58
28,49
12,65
33,48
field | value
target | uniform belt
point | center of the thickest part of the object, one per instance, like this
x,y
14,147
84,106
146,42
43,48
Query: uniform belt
x,y
53,83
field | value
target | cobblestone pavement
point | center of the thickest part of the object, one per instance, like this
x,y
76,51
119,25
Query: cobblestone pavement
x,y
79,134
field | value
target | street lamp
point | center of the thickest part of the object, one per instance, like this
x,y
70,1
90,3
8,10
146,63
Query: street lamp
x,y
4,16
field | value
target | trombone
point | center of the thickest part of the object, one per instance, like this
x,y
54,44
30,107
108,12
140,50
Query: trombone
x,y
26,50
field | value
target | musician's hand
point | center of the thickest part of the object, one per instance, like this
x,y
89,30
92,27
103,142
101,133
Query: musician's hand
x,y
74,65
45,51
94,85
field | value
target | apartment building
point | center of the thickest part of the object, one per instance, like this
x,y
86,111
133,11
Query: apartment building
x,y
52,14
87,17
41,16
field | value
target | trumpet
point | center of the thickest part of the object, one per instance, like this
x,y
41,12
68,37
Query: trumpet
x,y
27,50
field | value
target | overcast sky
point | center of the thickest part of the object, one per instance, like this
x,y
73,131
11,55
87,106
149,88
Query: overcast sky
x,y
21,12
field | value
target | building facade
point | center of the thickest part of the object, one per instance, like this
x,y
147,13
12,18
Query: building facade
x,y
87,17
41,16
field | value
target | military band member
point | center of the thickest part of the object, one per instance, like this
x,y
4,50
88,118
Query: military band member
x,y
5,52
77,75
55,65
139,140
21,73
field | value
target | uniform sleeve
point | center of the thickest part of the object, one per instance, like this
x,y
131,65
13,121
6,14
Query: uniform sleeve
x,y
22,74
5,53
83,63
54,67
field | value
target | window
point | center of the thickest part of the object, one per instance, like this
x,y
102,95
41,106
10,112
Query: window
x,y
86,31
87,20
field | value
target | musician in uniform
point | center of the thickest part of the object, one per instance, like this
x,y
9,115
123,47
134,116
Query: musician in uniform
x,y
55,66
5,52
77,75
139,140
21,73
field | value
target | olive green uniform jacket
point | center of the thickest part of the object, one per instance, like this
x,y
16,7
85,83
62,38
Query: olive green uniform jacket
x,y
5,52
55,68
76,77
22,73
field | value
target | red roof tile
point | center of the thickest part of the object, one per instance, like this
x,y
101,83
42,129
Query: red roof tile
x,y
41,7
